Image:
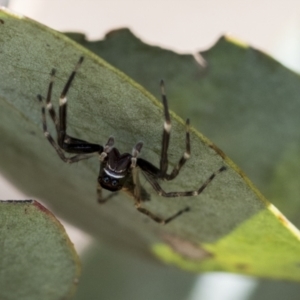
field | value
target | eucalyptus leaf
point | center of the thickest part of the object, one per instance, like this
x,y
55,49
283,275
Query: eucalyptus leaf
x,y
126,277
239,97
38,261
230,227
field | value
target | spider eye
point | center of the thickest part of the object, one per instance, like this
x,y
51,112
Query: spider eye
x,y
114,182
106,179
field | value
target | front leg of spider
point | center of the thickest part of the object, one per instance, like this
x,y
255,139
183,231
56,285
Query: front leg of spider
x,y
65,143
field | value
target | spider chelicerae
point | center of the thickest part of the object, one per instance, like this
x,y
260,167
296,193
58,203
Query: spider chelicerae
x,y
119,171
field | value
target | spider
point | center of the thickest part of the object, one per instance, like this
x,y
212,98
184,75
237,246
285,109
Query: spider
x,y
119,171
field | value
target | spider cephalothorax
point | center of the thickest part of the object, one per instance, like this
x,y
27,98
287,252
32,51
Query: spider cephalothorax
x,y
116,168
119,171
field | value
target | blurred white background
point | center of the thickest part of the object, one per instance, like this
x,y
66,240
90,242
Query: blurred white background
x,y
188,26
184,26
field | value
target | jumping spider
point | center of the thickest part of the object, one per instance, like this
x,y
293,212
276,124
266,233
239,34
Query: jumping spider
x,y
119,171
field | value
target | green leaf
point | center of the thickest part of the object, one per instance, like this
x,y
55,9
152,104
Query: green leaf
x,y
128,277
230,227
38,261
245,101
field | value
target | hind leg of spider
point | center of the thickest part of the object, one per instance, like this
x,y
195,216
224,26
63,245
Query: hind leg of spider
x,y
161,192
166,139
138,202
159,219
60,152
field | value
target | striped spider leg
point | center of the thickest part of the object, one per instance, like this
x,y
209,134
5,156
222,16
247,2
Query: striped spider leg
x,y
65,143
153,174
117,171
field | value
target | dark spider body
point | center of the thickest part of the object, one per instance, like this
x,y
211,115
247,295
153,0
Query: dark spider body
x,y
116,169
119,171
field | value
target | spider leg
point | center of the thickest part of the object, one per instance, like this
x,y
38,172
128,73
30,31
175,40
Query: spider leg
x,y
136,186
134,171
150,176
166,139
63,104
135,153
166,133
49,105
107,148
159,219
66,143
145,211
186,155
58,149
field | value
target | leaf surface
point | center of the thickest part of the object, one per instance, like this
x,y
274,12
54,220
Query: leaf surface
x,y
224,221
38,261
239,97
